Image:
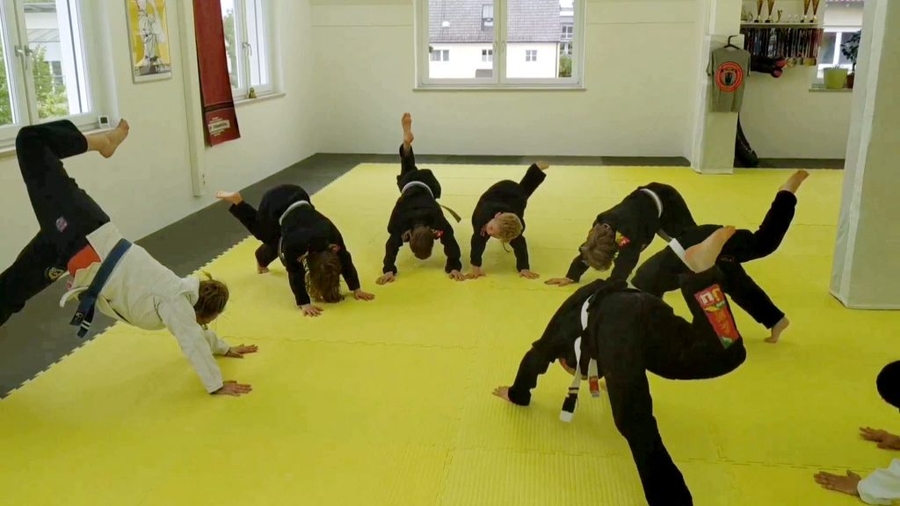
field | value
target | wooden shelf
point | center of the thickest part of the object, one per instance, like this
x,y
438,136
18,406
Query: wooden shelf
x,y
780,25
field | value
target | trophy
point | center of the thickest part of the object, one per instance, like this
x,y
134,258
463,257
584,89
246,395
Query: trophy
x,y
770,4
805,10
779,16
759,4
815,4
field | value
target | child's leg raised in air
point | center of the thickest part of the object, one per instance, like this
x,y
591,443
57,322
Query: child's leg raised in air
x,y
746,246
407,157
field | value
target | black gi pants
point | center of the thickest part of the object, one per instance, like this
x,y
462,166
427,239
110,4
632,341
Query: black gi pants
x,y
409,172
65,213
659,274
263,224
675,217
635,332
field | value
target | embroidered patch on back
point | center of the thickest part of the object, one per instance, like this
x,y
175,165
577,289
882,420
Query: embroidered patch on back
x,y
54,273
714,304
621,240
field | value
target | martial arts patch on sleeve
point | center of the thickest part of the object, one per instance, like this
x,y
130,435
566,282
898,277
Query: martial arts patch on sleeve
x,y
621,240
714,304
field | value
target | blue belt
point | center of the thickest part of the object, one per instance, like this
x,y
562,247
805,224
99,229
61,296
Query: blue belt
x,y
88,299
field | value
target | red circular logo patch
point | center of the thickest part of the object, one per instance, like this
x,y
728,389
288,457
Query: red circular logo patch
x,y
729,77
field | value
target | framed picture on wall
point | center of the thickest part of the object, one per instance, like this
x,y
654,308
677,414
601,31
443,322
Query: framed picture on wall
x,y
148,37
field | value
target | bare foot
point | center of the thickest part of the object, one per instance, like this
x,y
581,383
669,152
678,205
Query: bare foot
x,y
114,138
702,257
543,165
262,270
408,136
793,182
233,198
777,330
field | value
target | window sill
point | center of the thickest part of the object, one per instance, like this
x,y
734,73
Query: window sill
x,y
9,150
519,87
822,89
260,98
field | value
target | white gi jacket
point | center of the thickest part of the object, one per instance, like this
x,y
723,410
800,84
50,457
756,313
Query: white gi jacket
x,y
882,486
144,293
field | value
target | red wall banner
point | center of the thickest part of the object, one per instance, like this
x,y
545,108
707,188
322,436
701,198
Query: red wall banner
x,y
219,117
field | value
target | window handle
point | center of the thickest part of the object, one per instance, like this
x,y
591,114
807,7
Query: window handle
x,y
25,53
248,47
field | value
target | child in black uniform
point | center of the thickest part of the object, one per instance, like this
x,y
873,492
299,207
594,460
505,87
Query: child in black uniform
x,y
611,331
292,229
660,273
417,217
624,231
500,213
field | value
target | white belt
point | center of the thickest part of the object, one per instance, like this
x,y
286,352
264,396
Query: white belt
x,y
659,206
293,206
417,183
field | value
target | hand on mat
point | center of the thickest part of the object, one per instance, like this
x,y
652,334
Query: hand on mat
x,y
476,273
457,276
240,351
559,281
528,274
234,389
361,295
502,392
885,440
845,484
386,278
310,310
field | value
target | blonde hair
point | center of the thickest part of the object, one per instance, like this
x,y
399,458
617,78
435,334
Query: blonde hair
x,y
213,296
509,226
600,248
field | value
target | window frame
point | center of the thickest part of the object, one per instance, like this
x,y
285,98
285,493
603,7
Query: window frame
x,y
499,79
20,73
245,49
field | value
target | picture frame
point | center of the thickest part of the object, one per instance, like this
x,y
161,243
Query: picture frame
x,y
148,40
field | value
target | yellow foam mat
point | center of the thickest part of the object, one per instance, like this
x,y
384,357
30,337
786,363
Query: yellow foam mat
x,y
389,402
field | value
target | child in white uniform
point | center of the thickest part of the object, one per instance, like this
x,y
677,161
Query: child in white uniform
x,y
883,485
121,279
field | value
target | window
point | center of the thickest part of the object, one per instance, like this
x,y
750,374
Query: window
x,y
830,54
842,19
43,71
440,55
248,44
487,16
507,35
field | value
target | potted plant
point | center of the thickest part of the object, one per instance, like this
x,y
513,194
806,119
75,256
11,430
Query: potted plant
x,y
850,50
835,78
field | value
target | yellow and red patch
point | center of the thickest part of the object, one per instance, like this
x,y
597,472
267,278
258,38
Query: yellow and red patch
x,y
621,240
714,304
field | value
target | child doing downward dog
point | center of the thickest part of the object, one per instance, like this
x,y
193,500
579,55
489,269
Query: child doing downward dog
x,y
308,244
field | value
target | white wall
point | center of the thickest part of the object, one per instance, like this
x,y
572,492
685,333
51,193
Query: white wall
x,y
147,184
639,69
640,65
782,118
